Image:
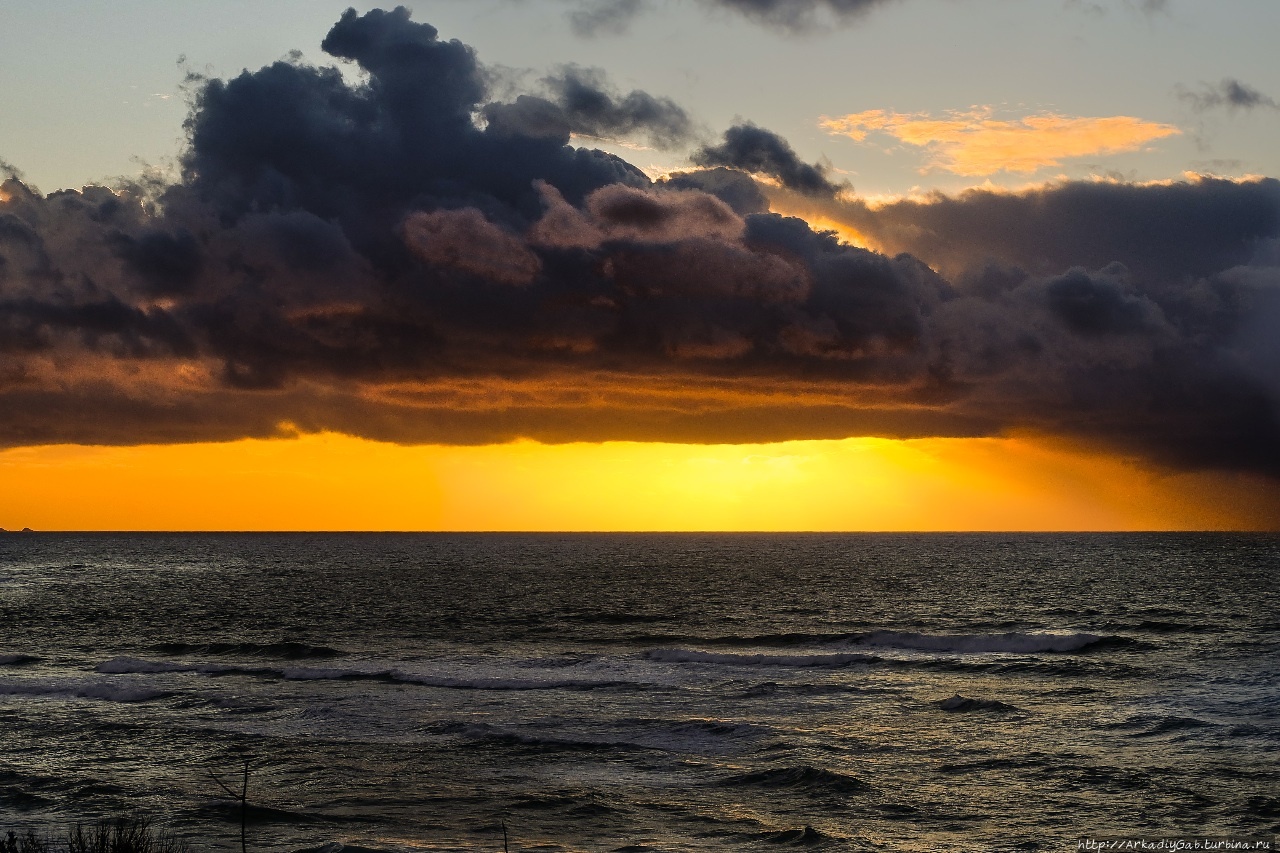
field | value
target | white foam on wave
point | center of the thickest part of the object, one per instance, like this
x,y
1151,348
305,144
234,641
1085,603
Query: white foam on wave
x,y
692,656
1013,642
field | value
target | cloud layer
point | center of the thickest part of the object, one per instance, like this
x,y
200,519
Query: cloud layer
x,y
404,258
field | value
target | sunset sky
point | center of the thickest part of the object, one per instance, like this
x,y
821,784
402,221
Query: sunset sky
x,y
640,265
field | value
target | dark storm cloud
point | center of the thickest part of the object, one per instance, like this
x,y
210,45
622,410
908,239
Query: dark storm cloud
x,y
167,262
734,188
292,136
1100,303
1125,313
1228,94
753,149
405,259
592,109
1165,233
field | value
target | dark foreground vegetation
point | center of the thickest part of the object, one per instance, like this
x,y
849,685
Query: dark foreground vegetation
x,y
121,835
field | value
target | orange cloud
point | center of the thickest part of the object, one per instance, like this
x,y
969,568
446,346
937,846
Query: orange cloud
x,y
973,142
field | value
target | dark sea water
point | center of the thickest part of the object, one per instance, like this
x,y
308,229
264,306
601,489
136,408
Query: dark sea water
x,y
644,692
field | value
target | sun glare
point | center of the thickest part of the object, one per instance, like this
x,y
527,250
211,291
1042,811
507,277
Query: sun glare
x,y
335,482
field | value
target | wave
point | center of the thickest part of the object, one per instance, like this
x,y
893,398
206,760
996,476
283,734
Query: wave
x,y
783,640
962,704
486,733
716,728
457,683
668,736
833,659
1012,642
134,665
570,804
804,778
231,809
773,688
693,656
806,837
702,737
1267,807
342,847
1161,626
1151,725
125,665
792,638
138,666
832,643
287,650
982,765
105,691
616,618
17,660
1009,642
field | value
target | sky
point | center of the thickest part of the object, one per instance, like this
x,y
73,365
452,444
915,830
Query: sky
x,y
640,264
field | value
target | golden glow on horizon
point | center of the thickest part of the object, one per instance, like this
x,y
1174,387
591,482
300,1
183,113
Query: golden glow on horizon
x,y
972,142
334,482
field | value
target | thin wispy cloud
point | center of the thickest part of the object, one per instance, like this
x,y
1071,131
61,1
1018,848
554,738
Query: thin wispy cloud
x,y
613,17
605,17
798,15
976,143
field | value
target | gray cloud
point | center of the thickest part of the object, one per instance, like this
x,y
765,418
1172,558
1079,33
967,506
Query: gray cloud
x,y
610,17
749,148
597,17
580,101
798,15
1230,94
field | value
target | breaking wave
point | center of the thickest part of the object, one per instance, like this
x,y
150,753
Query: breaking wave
x,y
282,650
1012,642
692,656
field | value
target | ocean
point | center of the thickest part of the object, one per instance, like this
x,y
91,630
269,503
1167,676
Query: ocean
x,y
403,692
